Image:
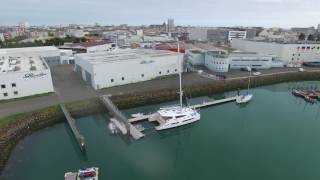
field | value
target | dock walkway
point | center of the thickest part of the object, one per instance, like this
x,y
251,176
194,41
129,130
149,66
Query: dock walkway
x,y
212,103
72,124
120,120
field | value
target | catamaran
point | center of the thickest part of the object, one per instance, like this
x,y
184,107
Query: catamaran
x,y
245,98
179,115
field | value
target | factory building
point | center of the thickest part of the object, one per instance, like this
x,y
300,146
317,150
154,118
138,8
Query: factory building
x,y
291,54
107,69
23,74
220,61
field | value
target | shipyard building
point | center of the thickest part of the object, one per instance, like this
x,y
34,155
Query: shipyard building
x,y
24,72
291,54
107,69
221,61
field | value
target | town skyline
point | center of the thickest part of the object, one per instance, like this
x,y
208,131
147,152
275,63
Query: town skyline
x,y
261,13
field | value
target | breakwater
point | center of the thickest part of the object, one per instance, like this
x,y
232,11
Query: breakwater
x,y
25,124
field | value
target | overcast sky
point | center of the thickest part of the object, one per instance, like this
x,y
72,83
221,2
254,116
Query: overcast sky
x,y
267,13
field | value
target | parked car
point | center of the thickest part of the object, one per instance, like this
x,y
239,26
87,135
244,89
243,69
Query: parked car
x,y
301,70
256,73
221,77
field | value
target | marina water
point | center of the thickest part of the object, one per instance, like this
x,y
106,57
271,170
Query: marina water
x,y
276,136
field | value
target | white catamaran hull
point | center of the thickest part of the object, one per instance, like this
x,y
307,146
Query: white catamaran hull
x,y
178,122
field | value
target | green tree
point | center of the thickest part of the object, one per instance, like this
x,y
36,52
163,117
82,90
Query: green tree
x,y
311,37
1,44
302,37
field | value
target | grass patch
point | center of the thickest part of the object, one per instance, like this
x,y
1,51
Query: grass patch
x,y
27,97
9,119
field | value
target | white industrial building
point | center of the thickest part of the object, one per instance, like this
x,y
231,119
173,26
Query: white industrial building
x,y
240,60
290,54
217,61
107,69
195,57
23,74
221,61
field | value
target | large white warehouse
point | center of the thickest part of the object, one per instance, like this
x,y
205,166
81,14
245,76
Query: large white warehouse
x,y
107,69
23,75
291,54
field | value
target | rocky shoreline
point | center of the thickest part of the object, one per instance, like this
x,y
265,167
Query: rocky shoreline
x,y
25,124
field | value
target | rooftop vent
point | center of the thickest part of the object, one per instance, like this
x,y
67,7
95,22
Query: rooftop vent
x,y
33,68
16,68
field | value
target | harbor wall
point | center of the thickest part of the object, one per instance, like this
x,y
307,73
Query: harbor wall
x,y
22,125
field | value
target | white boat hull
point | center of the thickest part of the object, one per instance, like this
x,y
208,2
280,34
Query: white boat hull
x,y
242,99
178,122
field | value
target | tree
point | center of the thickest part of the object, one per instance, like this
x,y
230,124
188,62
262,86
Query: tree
x,y
1,44
311,37
317,37
302,37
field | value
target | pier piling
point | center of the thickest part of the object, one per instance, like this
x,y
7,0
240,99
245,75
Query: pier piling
x,y
72,124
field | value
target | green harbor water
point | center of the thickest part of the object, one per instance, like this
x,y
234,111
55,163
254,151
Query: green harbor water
x,y
276,136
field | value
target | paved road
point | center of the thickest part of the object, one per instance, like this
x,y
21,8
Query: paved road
x,y
69,88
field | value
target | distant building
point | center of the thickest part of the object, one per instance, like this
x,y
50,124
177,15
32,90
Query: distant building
x,y
293,54
170,25
251,33
107,69
309,30
24,72
218,35
198,34
140,32
222,35
78,33
237,35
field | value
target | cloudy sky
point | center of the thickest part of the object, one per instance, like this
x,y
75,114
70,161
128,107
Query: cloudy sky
x,y
268,13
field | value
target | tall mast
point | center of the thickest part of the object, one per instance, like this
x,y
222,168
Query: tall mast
x,y
180,79
249,77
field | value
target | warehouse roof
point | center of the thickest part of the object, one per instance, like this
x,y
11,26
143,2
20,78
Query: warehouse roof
x,y
83,45
21,64
27,49
121,55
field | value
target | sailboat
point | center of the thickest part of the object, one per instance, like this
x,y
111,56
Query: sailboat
x,y
245,98
179,115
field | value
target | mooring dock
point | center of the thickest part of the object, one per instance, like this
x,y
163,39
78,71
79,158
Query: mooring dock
x,y
120,120
212,103
154,116
72,124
